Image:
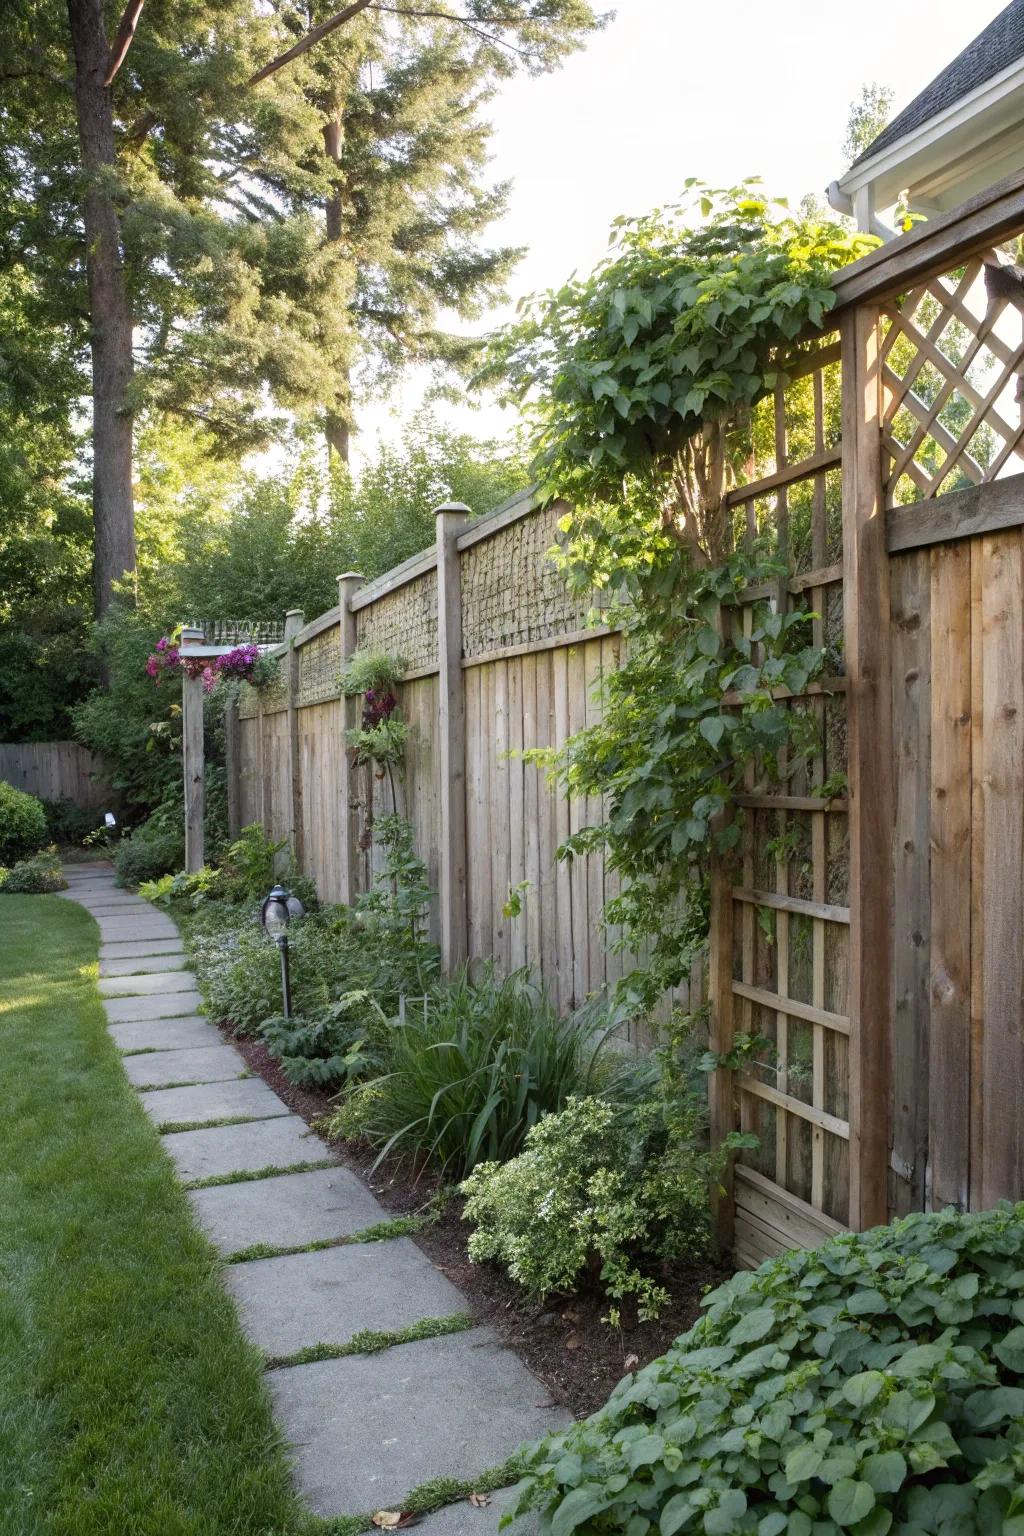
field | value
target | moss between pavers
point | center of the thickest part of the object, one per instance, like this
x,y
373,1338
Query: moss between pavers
x,y
427,1499
371,1342
245,1175
380,1232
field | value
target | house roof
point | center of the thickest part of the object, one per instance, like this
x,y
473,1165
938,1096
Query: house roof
x,y
994,49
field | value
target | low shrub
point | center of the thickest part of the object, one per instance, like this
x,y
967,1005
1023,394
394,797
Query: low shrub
x,y
68,823
240,967
470,1074
599,1186
152,850
875,1383
22,823
37,876
347,1041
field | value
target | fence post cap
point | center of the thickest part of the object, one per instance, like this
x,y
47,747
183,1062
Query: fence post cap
x,y
453,506
351,576
191,634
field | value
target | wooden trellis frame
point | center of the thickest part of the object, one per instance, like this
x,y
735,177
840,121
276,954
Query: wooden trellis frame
x,y
932,581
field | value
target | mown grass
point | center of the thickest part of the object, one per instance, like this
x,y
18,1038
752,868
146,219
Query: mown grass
x,y
130,1404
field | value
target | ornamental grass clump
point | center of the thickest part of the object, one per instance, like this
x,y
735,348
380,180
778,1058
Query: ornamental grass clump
x,y
875,1383
469,1075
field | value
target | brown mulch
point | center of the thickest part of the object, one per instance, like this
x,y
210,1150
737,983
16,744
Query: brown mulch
x,y
579,1357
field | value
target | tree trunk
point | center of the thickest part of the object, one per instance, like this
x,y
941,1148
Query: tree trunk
x,y
110,314
337,426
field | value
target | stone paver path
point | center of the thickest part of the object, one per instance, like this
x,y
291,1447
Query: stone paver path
x,y
366,1429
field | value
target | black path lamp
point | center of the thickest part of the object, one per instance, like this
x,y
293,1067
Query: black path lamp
x,y
276,913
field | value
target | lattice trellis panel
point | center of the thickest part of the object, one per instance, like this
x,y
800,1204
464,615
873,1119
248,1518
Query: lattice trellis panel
x,y
952,361
319,665
789,899
404,623
511,593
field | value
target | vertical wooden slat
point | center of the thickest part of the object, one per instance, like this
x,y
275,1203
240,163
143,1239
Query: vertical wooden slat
x,y
596,937
292,624
576,682
949,1069
1003,791
977,897
516,824
533,793
869,705
347,838
498,848
233,766
451,722
564,935
911,678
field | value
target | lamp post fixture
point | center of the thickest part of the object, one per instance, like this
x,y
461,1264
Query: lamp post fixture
x,y
276,912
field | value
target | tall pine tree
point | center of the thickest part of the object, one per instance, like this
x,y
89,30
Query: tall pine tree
x,y
223,248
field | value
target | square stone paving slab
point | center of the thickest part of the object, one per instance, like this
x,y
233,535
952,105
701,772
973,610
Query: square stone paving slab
x,y
248,1096
162,1068
130,1010
134,949
465,1519
165,1035
368,1428
326,1296
142,983
145,925
142,965
245,1148
288,1210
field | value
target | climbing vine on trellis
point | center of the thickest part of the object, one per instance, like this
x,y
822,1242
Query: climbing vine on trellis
x,y
641,382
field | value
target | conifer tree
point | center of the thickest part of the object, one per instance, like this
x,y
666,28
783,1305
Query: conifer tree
x,y
223,236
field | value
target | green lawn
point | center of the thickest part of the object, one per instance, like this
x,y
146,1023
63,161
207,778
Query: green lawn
x,y
130,1405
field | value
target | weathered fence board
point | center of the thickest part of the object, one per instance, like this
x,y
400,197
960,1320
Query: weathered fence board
x,y
55,770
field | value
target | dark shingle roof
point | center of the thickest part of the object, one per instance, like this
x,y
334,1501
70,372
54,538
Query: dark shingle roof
x,y
998,46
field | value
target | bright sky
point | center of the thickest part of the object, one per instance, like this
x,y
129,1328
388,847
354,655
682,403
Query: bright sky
x,y
672,89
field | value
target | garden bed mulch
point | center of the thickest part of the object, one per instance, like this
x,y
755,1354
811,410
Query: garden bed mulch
x,y
578,1356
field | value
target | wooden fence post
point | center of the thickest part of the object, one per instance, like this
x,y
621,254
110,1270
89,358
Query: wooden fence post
x,y
233,766
293,621
348,585
721,1106
451,519
867,643
192,753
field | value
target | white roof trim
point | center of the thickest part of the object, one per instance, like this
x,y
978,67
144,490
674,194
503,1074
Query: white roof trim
x,y
981,99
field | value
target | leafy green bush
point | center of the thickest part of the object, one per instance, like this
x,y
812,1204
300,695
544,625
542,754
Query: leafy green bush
x,y
68,823
240,967
152,850
249,864
470,1073
36,876
345,1042
878,1379
596,1183
22,823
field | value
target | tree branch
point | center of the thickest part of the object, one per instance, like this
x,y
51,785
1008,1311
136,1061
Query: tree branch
x,y
123,39
461,21
311,37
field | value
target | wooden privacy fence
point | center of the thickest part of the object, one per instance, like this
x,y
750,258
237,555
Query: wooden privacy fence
x,y
55,770
870,928
500,658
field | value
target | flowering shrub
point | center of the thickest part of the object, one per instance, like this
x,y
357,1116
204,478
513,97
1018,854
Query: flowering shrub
x,y
167,661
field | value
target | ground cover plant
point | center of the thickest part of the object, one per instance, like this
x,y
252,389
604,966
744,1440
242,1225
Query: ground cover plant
x,y
35,876
129,1399
876,1383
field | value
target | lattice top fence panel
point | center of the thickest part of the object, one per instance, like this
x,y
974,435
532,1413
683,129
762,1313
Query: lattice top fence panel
x,y
953,382
404,623
512,594
239,631
319,666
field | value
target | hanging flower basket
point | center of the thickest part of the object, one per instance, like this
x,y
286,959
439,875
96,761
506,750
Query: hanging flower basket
x,y
167,661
